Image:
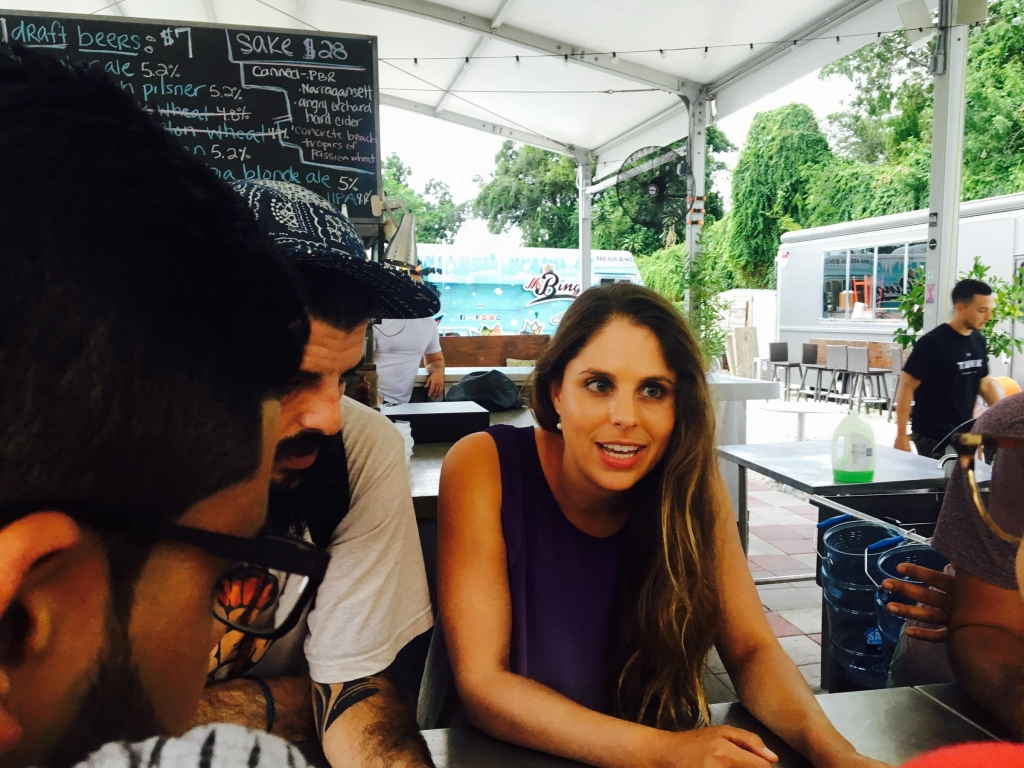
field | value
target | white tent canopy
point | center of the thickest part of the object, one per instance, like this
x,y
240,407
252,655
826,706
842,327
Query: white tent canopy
x,y
546,100
599,79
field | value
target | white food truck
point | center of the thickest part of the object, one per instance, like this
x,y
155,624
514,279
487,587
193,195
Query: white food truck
x,y
844,281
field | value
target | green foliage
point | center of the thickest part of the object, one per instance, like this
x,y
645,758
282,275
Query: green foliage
x,y
994,122
846,190
438,216
888,122
770,187
1009,306
892,104
665,272
535,190
911,307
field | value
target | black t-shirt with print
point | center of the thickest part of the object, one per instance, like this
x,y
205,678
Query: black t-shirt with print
x,y
950,367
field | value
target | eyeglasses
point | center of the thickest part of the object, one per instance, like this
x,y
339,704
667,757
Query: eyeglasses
x,y
263,594
968,446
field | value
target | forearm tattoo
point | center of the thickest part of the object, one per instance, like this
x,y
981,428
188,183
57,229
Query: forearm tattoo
x,y
327,709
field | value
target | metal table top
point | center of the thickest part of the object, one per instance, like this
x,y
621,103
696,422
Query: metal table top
x,y
425,471
891,725
954,697
807,466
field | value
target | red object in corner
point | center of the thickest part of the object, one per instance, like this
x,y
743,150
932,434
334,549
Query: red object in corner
x,y
985,755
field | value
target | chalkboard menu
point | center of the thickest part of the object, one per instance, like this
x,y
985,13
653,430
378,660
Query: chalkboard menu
x,y
252,103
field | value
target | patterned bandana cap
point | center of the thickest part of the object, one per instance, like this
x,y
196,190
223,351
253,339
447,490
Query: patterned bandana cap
x,y
312,231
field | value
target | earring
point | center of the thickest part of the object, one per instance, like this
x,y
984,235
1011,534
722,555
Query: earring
x,y
558,426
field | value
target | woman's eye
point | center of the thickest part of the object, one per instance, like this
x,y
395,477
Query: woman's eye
x,y
598,385
653,390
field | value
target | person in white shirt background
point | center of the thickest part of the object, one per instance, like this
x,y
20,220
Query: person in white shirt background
x,y
398,348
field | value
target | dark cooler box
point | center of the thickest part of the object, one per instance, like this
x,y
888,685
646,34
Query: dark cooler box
x,y
440,422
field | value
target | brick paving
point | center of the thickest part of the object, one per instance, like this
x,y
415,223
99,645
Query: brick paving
x,y
782,541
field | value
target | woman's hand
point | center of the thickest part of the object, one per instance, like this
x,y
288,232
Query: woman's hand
x,y
936,603
719,746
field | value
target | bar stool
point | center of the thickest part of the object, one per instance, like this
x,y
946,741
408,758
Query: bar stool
x,y
897,371
861,376
779,358
810,363
835,363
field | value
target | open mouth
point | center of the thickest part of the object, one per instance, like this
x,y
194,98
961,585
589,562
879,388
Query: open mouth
x,y
620,455
620,450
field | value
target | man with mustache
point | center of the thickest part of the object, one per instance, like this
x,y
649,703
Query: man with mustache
x,y
146,330
340,481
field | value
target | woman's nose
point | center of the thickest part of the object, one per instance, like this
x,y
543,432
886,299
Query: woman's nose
x,y
623,411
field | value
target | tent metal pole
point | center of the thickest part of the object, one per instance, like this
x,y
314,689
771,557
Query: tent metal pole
x,y
696,152
949,67
584,177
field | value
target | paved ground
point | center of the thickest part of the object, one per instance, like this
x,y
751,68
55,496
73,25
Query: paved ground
x,y
782,541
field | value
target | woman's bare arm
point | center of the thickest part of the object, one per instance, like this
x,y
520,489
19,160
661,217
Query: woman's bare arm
x,y
476,614
767,681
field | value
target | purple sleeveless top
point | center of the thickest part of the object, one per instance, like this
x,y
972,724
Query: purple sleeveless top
x,y
562,581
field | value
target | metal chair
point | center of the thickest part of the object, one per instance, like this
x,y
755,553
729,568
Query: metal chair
x,y
809,362
862,376
779,359
835,363
897,372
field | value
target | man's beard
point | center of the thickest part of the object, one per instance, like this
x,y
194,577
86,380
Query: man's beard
x,y
114,708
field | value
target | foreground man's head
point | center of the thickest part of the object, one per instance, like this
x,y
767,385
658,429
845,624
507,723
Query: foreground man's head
x,y
146,329
343,291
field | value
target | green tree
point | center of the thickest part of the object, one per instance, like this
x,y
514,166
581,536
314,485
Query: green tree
x,y
888,122
438,216
1009,307
535,190
770,188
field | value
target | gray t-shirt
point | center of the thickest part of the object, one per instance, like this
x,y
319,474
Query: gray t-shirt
x,y
961,534
211,746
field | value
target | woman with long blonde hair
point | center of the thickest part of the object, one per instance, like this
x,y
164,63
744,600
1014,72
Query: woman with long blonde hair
x,y
586,567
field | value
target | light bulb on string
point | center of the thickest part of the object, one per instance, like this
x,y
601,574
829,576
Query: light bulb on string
x,y
565,61
662,52
837,39
705,52
615,58
415,63
518,62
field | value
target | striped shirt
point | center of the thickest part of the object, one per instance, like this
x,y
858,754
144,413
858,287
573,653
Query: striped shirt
x,y
211,746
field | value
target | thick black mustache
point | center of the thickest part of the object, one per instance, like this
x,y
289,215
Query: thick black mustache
x,y
301,444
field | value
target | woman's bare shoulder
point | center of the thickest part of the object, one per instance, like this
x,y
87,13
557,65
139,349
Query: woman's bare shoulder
x,y
477,450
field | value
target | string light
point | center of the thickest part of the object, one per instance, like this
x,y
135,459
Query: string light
x,y
416,63
663,52
566,60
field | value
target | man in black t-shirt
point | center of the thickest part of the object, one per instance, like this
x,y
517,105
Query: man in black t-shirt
x,y
945,373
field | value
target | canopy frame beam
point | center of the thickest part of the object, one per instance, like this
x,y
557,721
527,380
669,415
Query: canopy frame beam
x,y
949,67
627,70
498,129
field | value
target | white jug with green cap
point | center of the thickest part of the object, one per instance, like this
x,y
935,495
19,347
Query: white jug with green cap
x,y
853,451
